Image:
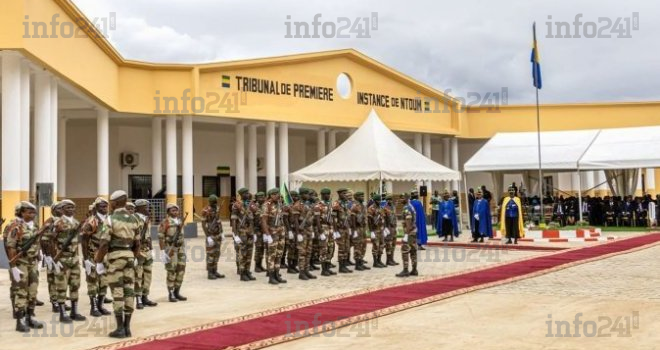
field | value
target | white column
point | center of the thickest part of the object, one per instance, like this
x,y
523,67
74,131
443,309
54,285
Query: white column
x,y
418,143
11,131
320,144
42,158
650,179
61,157
270,155
187,155
171,158
284,153
587,180
446,152
240,156
575,182
426,150
252,158
102,152
25,129
332,140
156,155
54,115
454,160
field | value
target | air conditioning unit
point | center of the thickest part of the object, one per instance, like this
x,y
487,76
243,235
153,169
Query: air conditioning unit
x,y
130,159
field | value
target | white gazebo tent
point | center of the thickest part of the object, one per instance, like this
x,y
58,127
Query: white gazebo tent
x,y
373,152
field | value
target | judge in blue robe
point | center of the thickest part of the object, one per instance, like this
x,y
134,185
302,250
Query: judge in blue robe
x,y
447,223
482,222
420,219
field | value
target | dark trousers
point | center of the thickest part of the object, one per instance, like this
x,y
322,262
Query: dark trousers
x,y
512,229
475,230
447,227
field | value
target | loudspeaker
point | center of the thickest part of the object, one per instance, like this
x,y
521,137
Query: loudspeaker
x,y
422,191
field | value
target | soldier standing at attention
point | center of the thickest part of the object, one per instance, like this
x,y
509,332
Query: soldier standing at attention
x,y
303,222
376,220
172,249
323,219
145,260
65,258
359,219
5,236
290,248
409,240
22,252
341,229
120,242
316,256
242,220
259,246
55,212
273,229
97,285
390,231
212,227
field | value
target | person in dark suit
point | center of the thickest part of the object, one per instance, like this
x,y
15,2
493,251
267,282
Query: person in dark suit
x,y
559,212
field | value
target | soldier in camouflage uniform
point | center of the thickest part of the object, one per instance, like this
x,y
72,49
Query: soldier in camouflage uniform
x,y
273,229
242,220
359,224
5,236
390,232
212,227
290,245
120,243
377,220
173,251
22,245
145,260
97,285
55,212
341,229
302,221
259,246
323,218
316,248
409,240
63,248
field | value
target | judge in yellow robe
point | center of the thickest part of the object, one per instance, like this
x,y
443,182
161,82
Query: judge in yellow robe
x,y
511,218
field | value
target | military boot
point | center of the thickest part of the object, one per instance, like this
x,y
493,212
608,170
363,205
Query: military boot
x,y
414,270
99,305
313,267
332,273
138,302
325,270
249,275
291,267
147,302
403,273
303,276
171,296
271,278
359,265
217,274
258,268
21,325
210,275
309,275
178,295
380,262
74,312
244,277
343,268
394,263
38,302
32,323
55,307
279,278
64,318
120,332
94,309
127,325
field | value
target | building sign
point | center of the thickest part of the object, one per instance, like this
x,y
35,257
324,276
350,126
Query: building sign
x,y
387,101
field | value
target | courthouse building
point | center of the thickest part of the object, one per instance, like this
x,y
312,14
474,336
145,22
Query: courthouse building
x,y
75,113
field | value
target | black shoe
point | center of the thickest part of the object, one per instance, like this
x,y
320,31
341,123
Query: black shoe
x,y
309,275
21,325
171,296
244,277
291,267
127,325
271,278
74,312
359,266
94,309
508,241
249,275
99,305
303,276
138,302
39,303
211,276
217,274
515,241
378,263
414,270
147,302
391,262
279,278
178,295
325,269
474,240
32,323
481,240
55,307
403,273
451,238
343,268
120,332
64,318
445,240
107,301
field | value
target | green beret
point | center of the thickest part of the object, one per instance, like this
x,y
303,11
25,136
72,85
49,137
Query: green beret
x,y
141,203
376,197
388,197
303,190
359,193
260,194
343,189
213,198
325,190
130,204
273,191
293,193
405,195
243,190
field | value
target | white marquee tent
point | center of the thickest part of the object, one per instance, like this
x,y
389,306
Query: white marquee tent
x,y
373,152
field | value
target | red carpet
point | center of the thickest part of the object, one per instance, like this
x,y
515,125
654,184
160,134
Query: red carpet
x,y
274,328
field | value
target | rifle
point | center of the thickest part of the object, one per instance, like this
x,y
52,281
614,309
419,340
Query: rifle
x,y
279,213
303,223
177,233
28,243
72,234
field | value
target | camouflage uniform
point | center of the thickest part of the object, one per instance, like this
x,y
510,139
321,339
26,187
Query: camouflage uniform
x,y
323,219
409,242
358,240
376,218
259,246
341,217
212,227
305,234
69,275
145,262
5,235
176,267
242,215
272,213
390,239
290,247
50,273
97,285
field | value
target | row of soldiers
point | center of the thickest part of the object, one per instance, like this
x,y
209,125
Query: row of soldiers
x,y
117,254
299,235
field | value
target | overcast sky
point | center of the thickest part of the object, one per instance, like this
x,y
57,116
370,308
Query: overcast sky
x,y
465,46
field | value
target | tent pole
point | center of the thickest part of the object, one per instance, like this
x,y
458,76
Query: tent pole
x,y
467,202
380,184
579,193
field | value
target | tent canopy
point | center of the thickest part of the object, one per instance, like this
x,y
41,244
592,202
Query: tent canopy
x,y
374,152
624,148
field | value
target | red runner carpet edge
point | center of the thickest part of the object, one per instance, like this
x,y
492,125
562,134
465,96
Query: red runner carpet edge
x,y
281,326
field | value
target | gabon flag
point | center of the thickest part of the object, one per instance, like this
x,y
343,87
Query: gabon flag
x,y
536,61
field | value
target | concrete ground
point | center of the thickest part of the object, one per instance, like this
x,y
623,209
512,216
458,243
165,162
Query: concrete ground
x,y
472,319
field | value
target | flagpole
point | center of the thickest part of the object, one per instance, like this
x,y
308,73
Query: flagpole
x,y
538,134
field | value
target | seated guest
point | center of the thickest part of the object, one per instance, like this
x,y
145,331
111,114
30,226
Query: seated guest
x,y
611,212
626,213
641,213
559,212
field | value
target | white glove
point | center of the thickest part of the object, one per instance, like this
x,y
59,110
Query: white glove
x,y
41,257
476,216
153,254
88,266
386,232
49,262
336,235
210,242
237,240
135,262
166,258
300,238
100,268
58,267
405,238
268,239
16,273
354,235
322,237
290,234
254,237
313,234
445,216
373,235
